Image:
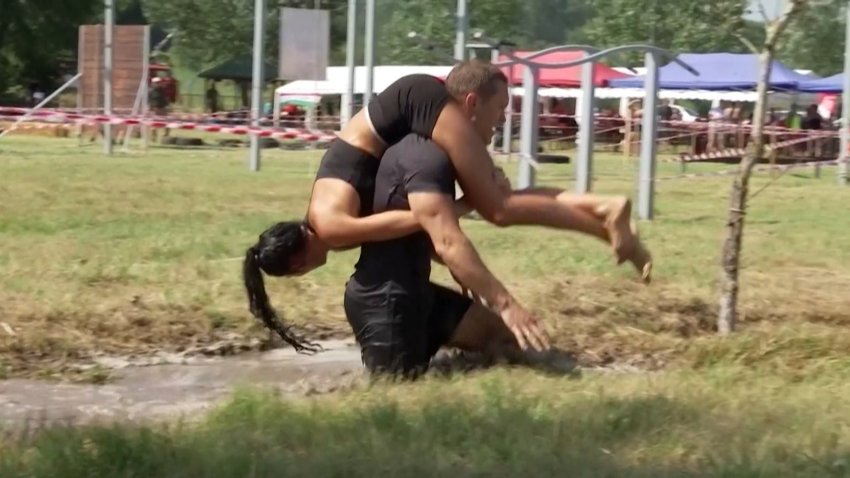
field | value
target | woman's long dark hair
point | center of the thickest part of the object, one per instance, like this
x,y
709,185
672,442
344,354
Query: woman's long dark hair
x,y
271,254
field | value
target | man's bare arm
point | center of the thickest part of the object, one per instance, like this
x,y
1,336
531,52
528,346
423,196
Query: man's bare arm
x,y
435,212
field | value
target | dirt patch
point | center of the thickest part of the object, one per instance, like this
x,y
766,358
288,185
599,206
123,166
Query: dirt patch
x,y
601,320
609,323
68,344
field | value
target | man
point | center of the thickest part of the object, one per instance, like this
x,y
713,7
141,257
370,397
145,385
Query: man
x,y
399,317
292,248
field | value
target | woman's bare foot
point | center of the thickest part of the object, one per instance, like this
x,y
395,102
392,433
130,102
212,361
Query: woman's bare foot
x,y
641,258
624,238
617,215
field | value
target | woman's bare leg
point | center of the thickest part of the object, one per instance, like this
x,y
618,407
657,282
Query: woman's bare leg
x,y
477,177
604,217
475,169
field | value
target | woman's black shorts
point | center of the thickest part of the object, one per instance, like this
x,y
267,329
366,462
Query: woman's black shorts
x,y
411,104
354,166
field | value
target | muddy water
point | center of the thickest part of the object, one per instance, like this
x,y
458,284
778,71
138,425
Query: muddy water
x,y
160,391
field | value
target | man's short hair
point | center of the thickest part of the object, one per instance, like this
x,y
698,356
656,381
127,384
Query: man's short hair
x,y
475,76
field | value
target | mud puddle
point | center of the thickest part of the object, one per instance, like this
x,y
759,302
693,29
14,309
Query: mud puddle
x,y
160,391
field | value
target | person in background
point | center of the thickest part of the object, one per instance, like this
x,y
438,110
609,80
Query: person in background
x,y
211,98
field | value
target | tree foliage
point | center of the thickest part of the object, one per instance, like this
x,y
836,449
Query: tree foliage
x,y
33,35
207,31
693,26
530,24
815,39
38,39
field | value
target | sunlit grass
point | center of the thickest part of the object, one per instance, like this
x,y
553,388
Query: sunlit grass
x,y
142,251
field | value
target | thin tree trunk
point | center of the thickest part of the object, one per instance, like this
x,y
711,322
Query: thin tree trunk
x,y
738,204
731,255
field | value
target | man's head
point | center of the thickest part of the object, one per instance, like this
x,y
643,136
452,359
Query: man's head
x,y
482,91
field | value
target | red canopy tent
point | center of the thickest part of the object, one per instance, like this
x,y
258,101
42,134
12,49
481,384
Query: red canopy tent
x,y
560,77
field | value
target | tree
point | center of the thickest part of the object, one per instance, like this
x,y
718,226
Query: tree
x,y
731,255
435,19
815,39
616,22
531,24
35,37
207,31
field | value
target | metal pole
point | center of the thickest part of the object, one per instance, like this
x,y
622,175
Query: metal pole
x,y
350,49
140,104
145,129
78,127
494,57
108,21
137,106
460,31
584,168
257,82
43,102
646,173
276,110
369,55
509,116
529,129
845,107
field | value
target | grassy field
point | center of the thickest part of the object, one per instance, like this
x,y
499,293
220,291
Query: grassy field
x,y
137,252
724,422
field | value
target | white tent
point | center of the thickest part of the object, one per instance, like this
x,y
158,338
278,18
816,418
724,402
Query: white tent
x,y
310,92
336,83
607,93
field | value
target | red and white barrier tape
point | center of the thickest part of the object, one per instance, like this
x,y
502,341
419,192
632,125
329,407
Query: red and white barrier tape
x,y
735,152
728,172
279,133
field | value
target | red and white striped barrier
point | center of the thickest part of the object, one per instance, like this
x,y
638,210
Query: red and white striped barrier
x,y
728,172
63,117
740,152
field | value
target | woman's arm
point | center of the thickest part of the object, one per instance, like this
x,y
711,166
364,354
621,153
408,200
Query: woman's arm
x,y
340,229
333,215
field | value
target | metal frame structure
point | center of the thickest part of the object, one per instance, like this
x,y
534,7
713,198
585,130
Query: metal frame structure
x,y
530,126
257,83
844,155
584,167
109,22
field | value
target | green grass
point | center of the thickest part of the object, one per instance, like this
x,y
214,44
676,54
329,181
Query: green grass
x,y
722,423
137,252
142,251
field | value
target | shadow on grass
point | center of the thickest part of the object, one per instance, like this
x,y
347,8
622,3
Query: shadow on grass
x,y
491,429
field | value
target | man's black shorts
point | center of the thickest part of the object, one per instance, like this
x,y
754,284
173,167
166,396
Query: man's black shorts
x,y
399,332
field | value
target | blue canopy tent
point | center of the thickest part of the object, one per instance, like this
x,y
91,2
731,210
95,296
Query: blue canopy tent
x,y
830,84
718,71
